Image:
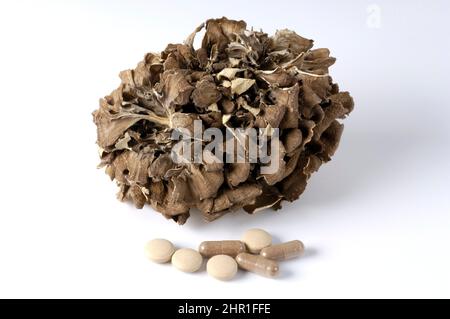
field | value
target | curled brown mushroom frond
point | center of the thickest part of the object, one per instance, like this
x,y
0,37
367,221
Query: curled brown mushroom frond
x,y
238,79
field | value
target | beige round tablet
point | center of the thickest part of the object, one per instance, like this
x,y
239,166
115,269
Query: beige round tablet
x,y
159,250
222,267
256,239
187,260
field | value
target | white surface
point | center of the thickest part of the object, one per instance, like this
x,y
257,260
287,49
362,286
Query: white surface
x,y
375,220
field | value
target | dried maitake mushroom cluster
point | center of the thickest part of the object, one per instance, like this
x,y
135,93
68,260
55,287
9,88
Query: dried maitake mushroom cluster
x,y
252,79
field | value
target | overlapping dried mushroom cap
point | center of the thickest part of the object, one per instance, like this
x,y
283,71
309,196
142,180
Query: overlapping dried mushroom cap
x,y
238,78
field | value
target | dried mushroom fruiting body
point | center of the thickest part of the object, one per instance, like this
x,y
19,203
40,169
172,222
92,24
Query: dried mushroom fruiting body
x,y
237,78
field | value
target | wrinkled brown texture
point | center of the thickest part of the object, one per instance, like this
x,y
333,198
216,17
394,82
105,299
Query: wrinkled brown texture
x,y
238,78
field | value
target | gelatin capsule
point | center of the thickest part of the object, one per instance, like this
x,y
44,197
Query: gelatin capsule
x,y
224,247
284,251
257,264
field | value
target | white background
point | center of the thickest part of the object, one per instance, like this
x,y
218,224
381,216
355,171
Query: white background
x,y
375,220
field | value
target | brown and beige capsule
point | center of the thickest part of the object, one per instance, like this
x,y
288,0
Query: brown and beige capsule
x,y
223,247
290,249
257,264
